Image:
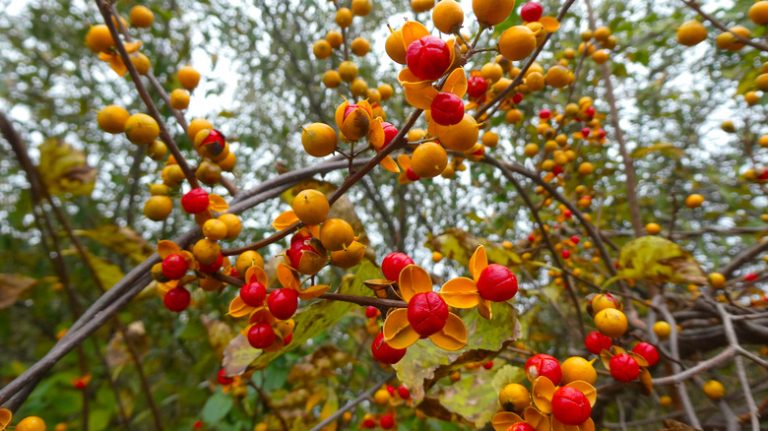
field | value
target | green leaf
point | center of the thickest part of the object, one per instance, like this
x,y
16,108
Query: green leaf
x,y
216,408
424,358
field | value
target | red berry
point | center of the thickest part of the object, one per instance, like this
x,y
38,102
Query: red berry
x,y
368,424
299,245
385,353
212,267
390,131
647,351
213,144
595,342
393,263
283,303
543,365
387,421
371,312
624,367
517,98
497,283
195,201
566,254
79,383
544,114
520,426
261,335
428,58
391,390
488,365
531,12
557,170
567,214
198,424
575,239
411,175
476,86
427,313
590,111
175,266
601,134
253,293
223,378
585,132
531,238
570,406
447,109
403,392
177,299
752,276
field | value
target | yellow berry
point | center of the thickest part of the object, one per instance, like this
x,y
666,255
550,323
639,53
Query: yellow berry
x,y
448,16
248,259
206,251
188,77
665,400
395,46
429,160
348,71
214,229
179,99
492,12
331,79
233,223
344,17
381,396
318,139
141,63
158,207
322,49
602,301
422,5
335,38
112,118
361,7
611,322
196,125
662,329
141,129
515,397
694,200
141,16
758,12
335,234
578,368
716,279
311,207
714,390
653,228
517,42
98,38
31,423
360,46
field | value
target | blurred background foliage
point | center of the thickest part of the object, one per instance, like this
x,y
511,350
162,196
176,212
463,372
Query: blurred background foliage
x,y
260,85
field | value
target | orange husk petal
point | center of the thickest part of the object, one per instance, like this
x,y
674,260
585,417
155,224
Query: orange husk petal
x,y
314,230
261,315
413,31
238,308
418,92
166,247
217,203
366,106
313,291
452,49
376,134
389,164
397,331
115,63
132,46
588,425
485,308
456,82
503,420
640,360
478,262
536,419
453,336
543,390
285,220
550,24
339,115
460,292
258,273
414,279
5,418
585,388
287,277
646,381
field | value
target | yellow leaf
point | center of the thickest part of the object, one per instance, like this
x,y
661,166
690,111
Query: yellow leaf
x,y
414,279
109,273
121,240
64,169
217,203
12,286
313,291
460,292
285,220
660,260
330,406
453,336
397,331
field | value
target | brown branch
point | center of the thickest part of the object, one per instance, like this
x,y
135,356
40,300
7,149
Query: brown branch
x,y
696,7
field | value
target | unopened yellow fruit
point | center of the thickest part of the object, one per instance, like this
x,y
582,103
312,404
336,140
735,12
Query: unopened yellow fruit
x,y
762,81
694,200
311,207
361,7
611,322
349,256
586,168
179,98
348,71
196,125
448,16
31,423
112,118
665,401
335,38
359,87
751,97
360,46
141,16
729,41
758,12
691,33
492,71
461,136
714,390
422,5
429,160
600,56
490,139
601,301
98,38
318,139
578,368
214,229
206,251
158,208
141,63
248,259
322,49
558,76
662,329
335,234
517,42
652,228
331,79
514,397
601,33
188,77
395,46
716,279
492,12
514,116
344,17
141,129
381,396
233,223
386,91
531,149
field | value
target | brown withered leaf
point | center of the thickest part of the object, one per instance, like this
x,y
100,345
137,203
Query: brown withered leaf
x,y
12,286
